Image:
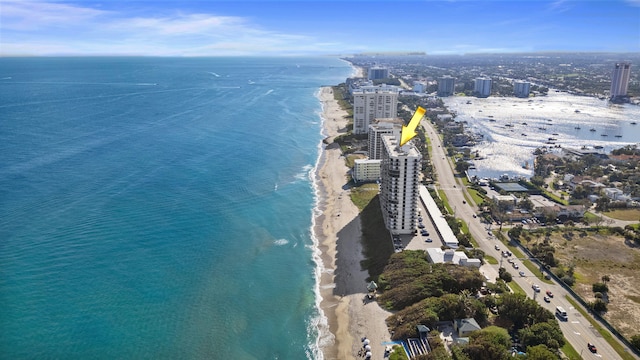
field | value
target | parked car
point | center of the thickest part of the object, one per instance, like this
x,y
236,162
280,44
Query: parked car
x,y
521,273
547,299
515,266
535,287
421,226
497,247
429,240
549,294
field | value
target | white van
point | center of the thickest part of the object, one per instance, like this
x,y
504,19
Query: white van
x,y
561,313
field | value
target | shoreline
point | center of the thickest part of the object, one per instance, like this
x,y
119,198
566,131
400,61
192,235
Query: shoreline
x,y
342,282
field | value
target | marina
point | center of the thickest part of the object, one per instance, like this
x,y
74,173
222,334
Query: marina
x,y
549,122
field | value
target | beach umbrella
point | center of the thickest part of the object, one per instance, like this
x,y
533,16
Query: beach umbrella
x,y
369,354
367,347
372,286
366,341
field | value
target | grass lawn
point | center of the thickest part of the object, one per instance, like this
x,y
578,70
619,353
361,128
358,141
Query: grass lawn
x,y
516,288
490,259
443,196
570,352
624,214
362,195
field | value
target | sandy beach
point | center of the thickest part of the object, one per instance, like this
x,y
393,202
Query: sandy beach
x,y
343,282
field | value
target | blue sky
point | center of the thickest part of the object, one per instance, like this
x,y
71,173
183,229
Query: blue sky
x,y
273,28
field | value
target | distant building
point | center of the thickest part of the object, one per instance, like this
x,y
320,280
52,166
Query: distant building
x,y
399,192
376,130
620,79
371,102
482,86
521,88
420,87
446,86
376,73
365,170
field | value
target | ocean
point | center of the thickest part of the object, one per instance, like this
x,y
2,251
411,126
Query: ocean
x,y
160,208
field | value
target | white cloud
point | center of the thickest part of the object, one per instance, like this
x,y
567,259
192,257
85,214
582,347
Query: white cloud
x,y
37,15
42,28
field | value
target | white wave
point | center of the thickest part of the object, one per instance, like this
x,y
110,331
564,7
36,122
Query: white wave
x,y
7,78
305,174
269,92
212,73
281,242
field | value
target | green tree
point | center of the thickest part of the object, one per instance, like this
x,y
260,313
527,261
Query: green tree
x,y
489,343
540,352
598,305
600,287
635,341
547,333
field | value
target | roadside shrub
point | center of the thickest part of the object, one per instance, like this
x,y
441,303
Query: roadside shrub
x,y
598,305
599,287
569,280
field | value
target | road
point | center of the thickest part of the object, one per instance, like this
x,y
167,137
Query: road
x,y
577,330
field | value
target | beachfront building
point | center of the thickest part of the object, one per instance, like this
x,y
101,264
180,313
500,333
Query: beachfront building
x,y
399,192
620,79
366,170
521,88
376,130
446,86
373,102
377,72
482,86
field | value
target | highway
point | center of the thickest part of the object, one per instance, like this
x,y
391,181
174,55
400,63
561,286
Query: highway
x,y
577,330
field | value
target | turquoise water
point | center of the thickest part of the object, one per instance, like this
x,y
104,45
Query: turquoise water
x,y
159,208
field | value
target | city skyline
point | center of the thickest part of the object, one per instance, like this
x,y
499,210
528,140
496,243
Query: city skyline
x,y
297,28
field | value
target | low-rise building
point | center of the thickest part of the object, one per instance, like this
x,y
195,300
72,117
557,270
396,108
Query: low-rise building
x,y
365,170
450,256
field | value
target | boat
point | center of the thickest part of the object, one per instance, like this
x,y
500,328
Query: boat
x,y
592,129
618,135
577,127
604,135
633,123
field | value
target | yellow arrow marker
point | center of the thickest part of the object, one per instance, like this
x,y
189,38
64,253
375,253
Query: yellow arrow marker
x,y
409,131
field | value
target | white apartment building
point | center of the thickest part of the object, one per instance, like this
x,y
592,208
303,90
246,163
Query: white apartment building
x,y
620,79
376,130
482,86
371,102
446,86
399,185
366,170
377,72
521,88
